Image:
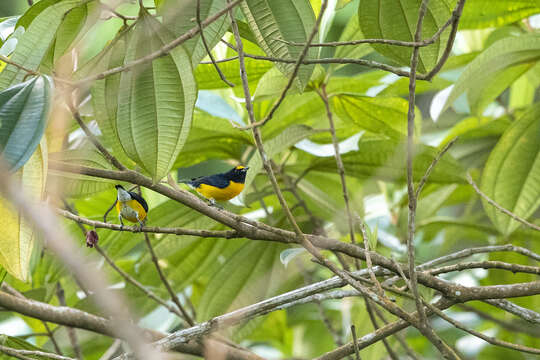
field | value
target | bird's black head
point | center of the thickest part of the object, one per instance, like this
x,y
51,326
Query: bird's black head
x,y
237,174
117,186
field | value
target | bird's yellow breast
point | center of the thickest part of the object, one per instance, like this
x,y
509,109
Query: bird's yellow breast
x,y
219,194
128,209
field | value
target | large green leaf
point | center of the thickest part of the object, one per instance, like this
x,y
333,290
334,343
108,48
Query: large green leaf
x,y
18,237
352,32
386,160
396,20
155,100
233,286
290,20
384,116
24,109
512,173
495,69
479,14
179,19
35,42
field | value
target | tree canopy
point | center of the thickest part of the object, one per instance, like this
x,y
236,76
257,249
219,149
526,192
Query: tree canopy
x,y
390,209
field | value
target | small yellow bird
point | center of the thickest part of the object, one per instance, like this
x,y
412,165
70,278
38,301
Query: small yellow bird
x,y
220,187
130,206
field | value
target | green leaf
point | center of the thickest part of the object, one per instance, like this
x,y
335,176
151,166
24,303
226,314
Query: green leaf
x,y
396,20
477,127
384,116
252,274
289,20
179,19
480,14
17,241
352,32
208,78
155,100
26,19
495,69
24,109
512,174
68,31
17,343
386,160
35,42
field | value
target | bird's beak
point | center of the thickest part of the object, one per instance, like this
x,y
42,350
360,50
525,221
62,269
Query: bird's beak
x,y
245,169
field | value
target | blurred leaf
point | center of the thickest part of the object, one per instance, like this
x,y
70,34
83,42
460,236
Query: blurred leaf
x,y
352,32
155,101
233,286
290,20
384,116
24,109
274,146
386,160
178,17
77,185
495,69
479,14
512,174
35,42
396,20
477,127
17,241
288,254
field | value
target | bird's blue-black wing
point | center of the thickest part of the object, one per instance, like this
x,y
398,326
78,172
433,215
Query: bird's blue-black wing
x,y
218,180
140,199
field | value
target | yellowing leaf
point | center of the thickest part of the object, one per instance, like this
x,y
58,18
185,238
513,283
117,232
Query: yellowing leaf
x,y
17,240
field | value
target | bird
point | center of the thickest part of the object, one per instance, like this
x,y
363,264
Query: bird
x,y
130,206
220,187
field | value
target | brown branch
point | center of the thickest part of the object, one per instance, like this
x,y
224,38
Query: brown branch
x,y
456,15
165,282
208,50
356,350
341,168
22,354
71,331
226,234
508,306
515,268
410,156
499,207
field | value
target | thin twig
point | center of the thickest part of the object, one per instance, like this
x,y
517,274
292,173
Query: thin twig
x,y
432,166
208,50
410,156
371,315
165,282
508,306
499,207
71,331
489,339
354,337
227,234
341,168
137,284
93,139
22,354
456,15
53,339
294,72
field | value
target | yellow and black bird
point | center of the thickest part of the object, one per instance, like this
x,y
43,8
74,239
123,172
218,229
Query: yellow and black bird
x,y
220,187
130,206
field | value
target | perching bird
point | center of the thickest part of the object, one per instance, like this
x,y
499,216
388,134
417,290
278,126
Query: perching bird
x,y
130,206
220,187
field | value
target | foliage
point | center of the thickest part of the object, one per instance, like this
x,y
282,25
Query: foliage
x,y
164,112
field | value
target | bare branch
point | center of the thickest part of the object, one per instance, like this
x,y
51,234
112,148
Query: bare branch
x,y
499,207
208,50
22,354
71,331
